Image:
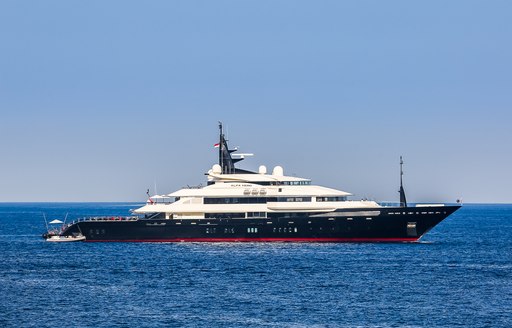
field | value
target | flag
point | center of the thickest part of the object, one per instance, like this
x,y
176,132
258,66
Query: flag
x,y
149,198
217,145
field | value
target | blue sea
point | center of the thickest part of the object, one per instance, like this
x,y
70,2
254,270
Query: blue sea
x,y
459,275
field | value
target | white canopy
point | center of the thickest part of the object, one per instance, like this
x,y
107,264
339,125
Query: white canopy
x,y
56,221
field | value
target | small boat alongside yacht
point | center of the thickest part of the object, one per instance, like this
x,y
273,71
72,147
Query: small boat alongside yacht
x,y
65,238
55,229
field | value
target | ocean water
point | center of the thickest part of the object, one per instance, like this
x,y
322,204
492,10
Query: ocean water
x,y
459,275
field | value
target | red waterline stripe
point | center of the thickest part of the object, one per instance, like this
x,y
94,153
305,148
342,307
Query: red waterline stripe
x,y
265,240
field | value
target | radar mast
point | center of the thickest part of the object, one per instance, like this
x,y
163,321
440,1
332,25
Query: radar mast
x,y
403,201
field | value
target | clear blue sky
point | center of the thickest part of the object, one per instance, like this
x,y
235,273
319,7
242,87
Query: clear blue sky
x,y
101,99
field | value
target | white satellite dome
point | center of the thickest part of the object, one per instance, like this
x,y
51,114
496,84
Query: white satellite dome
x,y
216,169
262,169
278,171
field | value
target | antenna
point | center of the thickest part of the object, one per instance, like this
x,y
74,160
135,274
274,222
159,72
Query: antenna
x,y
221,145
403,201
401,169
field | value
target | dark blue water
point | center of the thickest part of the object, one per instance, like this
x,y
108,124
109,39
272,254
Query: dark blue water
x,y
460,275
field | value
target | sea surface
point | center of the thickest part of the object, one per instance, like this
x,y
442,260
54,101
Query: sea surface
x,y
459,275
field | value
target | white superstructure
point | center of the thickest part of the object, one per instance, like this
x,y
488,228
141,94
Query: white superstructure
x,y
254,195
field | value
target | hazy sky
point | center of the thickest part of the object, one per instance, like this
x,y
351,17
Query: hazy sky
x,y
100,100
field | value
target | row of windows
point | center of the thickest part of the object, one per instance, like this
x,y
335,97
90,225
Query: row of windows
x,y
226,230
250,215
282,183
224,215
295,183
331,199
235,200
398,213
411,227
293,199
254,230
253,200
256,214
284,230
263,200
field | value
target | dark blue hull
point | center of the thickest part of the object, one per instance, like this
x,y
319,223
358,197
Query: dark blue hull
x,y
355,225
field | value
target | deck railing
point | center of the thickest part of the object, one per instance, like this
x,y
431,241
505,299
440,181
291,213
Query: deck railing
x,y
101,218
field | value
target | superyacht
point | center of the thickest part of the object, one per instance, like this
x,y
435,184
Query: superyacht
x,y
238,205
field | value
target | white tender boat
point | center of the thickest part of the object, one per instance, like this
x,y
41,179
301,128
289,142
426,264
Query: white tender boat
x,y
59,238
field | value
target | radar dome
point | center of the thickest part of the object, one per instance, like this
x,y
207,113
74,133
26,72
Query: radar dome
x,y
278,171
262,169
216,169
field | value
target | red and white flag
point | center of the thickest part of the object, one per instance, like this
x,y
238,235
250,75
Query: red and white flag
x,y
217,145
